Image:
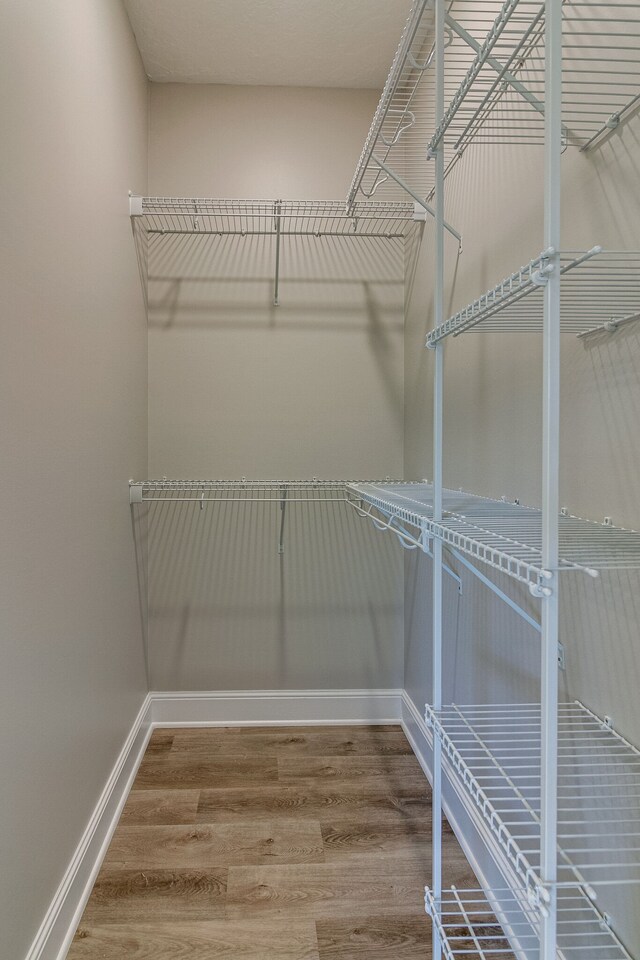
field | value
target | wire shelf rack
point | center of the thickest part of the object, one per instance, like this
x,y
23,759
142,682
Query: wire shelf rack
x,y
236,491
501,98
600,290
493,759
172,215
506,927
507,536
242,491
404,120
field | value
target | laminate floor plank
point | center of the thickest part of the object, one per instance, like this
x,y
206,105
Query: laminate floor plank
x,y
160,807
378,887
327,891
214,940
376,841
175,772
388,770
374,938
316,802
211,845
270,843
410,785
143,895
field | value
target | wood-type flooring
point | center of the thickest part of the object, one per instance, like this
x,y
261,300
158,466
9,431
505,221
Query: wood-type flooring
x,y
270,843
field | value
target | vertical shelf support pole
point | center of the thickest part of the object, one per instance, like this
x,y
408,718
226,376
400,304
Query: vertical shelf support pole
x,y
438,309
550,472
277,212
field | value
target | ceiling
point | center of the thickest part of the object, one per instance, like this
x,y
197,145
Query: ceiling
x,y
311,43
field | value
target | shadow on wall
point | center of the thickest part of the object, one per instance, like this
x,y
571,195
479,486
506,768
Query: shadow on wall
x,y
216,281
335,343
140,532
227,611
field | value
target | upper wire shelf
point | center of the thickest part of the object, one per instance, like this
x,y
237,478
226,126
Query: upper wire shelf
x,y
507,536
313,218
400,128
600,290
505,926
392,161
493,758
501,97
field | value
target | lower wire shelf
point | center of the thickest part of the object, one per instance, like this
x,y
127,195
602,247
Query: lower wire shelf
x,y
492,755
506,536
503,925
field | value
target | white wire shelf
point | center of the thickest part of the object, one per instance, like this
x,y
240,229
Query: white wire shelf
x,y
404,120
502,925
241,491
501,98
600,290
492,756
400,128
321,218
507,536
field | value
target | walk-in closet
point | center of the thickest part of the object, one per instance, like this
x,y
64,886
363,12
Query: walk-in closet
x,y
320,554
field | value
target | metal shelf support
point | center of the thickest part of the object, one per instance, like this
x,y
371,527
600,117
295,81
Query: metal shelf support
x,y
551,476
438,424
419,200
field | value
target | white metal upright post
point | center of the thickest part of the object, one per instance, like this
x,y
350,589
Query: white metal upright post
x,y
438,309
550,472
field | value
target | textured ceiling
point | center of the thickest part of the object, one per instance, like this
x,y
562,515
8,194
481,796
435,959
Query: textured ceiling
x,y
318,43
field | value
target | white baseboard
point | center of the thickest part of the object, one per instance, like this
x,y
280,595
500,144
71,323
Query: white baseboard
x,y
247,707
56,931
418,734
208,708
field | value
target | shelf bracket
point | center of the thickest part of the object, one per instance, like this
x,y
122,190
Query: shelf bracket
x,y
423,203
427,541
609,326
540,591
277,211
495,589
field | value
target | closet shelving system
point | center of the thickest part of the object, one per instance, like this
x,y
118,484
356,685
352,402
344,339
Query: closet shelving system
x,y
495,87
551,788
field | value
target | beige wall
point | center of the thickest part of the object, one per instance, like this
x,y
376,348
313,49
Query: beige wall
x,y
73,395
493,436
297,143
238,387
